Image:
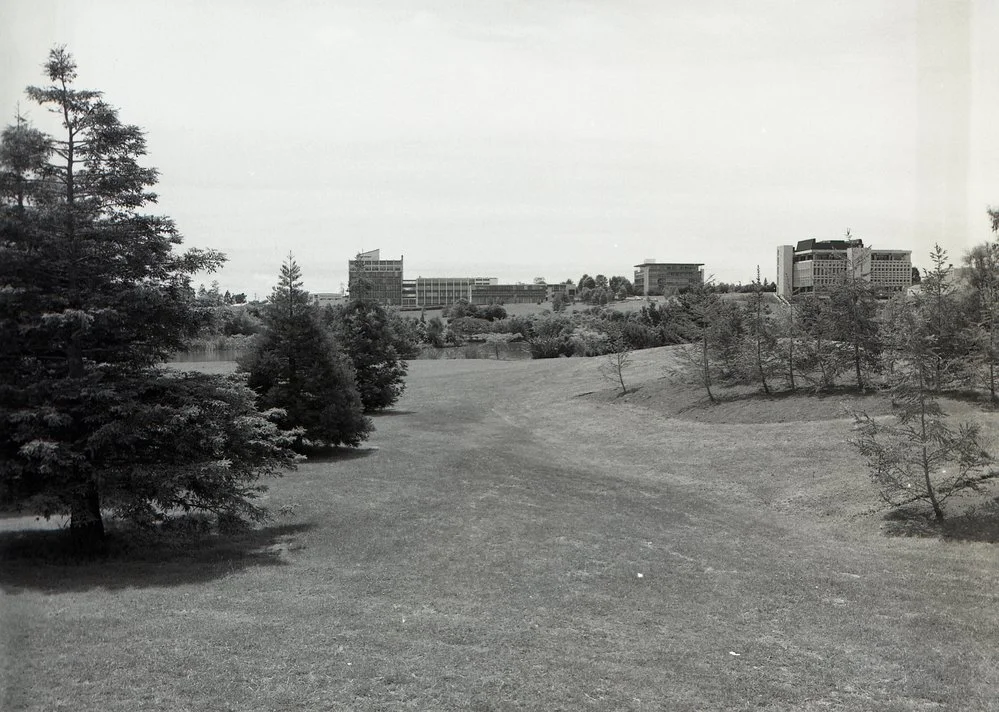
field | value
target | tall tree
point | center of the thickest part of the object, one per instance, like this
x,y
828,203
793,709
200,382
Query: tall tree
x,y
92,297
297,367
364,329
853,309
943,321
762,342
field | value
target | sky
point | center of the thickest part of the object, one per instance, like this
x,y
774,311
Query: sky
x,y
540,138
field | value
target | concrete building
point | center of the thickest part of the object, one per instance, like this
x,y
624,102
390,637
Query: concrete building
x,y
818,265
441,291
654,278
509,293
382,278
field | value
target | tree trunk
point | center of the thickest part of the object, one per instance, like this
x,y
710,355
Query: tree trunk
x,y
856,363
86,525
790,362
759,364
928,483
707,373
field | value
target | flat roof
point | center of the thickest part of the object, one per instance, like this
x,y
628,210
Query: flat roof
x,y
663,264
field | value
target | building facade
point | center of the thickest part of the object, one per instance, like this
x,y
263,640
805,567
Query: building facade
x,y
381,279
655,278
441,291
565,289
509,293
816,266
325,299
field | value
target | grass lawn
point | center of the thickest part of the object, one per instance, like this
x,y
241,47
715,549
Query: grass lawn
x,y
515,537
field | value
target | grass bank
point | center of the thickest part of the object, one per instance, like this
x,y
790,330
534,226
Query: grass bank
x,y
514,537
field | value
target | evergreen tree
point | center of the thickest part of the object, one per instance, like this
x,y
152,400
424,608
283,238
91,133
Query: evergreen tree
x,y
365,330
921,457
853,310
982,267
944,317
821,364
297,367
713,332
92,297
761,339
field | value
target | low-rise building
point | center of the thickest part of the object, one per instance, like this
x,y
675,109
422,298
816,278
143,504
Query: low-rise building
x,y
323,299
443,291
655,278
509,293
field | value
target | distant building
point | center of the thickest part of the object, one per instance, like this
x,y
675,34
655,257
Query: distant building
x,y
382,279
564,288
652,278
509,293
323,299
814,266
441,291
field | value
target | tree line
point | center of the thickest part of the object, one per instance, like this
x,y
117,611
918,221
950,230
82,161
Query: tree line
x,y
95,296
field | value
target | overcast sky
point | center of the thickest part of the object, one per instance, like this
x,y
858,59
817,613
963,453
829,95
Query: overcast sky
x,y
544,137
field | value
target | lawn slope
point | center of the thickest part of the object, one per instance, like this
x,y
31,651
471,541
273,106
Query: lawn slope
x,y
515,537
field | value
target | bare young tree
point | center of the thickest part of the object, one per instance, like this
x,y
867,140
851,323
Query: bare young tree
x,y
615,363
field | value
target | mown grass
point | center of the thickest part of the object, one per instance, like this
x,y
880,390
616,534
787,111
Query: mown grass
x,y
511,540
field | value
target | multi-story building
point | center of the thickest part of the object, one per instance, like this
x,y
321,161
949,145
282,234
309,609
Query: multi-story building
x,y
442,291
818,265
652,278
509,293
381,279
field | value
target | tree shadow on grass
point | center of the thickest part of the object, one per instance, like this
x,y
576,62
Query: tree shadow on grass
x,y
338,454
977,524
390,412
45,560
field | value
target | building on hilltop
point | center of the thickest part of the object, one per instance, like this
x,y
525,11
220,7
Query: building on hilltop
x,y
382,279
656,278
441,291
815,266
509,293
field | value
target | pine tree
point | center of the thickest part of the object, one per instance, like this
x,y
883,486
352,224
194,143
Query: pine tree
x,y
761,341
943,319
92,298
982,263
920,457
297,367
364,329
853,311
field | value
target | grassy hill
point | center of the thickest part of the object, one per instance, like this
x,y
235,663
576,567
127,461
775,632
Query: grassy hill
x,y
516,537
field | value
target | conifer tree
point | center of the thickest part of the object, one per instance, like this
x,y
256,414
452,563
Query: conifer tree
x,y
364,329
853,310
92,298
297,367
982,263
762,342
943,320
921,457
